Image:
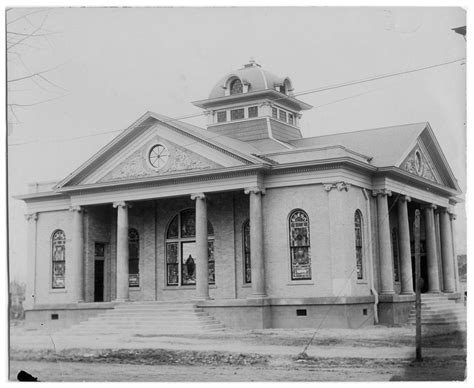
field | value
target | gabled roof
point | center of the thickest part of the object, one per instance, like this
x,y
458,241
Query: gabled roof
x,y
241,151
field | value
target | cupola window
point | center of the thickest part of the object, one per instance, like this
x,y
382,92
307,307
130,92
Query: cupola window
x,y
221,117
253,111
237,114
236,87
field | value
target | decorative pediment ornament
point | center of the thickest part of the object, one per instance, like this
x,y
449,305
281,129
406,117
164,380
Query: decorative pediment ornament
x,y
417,163
140,163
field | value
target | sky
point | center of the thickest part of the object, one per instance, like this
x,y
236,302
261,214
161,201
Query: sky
x,y
105,67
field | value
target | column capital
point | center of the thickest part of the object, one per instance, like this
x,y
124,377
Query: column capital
x,y
75,209
198,196
121,204
404,198
430,206
382,192
341,186
255,190
31,216
452,216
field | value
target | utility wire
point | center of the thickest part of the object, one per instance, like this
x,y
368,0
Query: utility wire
x,y
303,93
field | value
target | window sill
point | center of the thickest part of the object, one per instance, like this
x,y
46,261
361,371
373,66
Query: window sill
x,y
247,285
300,283
58,291
362,281
134,288
174,288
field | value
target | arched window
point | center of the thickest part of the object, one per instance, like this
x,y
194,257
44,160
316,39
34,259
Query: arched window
x,y
181,250
358,244
133,258
246,251
299,245
236,86
58,256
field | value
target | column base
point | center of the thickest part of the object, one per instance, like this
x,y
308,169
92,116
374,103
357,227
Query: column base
x,y
407,293
433,292
387,292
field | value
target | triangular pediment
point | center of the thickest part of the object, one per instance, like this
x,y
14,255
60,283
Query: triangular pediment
x,y
425,158
133,154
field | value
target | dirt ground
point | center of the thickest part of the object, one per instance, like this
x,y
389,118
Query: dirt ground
x,y
372,354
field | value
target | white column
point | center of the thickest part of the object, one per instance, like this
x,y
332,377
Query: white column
x,y
404,240
385,251
431,252
449,281
77,244
122,251
256,241
30,292
202,265
452,218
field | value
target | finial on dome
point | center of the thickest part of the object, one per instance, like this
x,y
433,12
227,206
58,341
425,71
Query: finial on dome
x,y
252,63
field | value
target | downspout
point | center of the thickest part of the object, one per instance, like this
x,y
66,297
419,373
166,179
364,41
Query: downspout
x,y
371,261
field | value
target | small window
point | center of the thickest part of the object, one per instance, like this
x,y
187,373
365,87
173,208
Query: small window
x,y
237,114
253,111
221,117
291,119
236,87
274,113
58,253
282,115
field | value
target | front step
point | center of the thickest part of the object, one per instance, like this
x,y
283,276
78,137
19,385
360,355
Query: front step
x,y
148,318
438,309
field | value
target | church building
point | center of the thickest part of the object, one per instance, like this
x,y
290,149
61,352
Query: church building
x,y
247,219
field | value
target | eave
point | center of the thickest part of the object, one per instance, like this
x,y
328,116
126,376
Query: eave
x,y
267,93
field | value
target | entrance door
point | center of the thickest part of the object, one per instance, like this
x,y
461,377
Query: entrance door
x,y
99,264
99,281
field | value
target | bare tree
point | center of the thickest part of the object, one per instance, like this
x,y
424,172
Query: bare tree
x,y
27,86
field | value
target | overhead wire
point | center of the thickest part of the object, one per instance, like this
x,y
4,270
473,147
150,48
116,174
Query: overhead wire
x,y
306,92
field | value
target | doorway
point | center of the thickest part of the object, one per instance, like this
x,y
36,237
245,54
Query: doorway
x,y
99,272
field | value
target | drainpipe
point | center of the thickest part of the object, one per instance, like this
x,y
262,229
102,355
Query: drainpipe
x,y
371,262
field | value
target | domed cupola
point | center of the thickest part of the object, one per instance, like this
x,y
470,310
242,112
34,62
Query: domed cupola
x,y
252,103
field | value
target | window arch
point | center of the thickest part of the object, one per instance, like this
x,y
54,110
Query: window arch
x,y
181,250
58,257
359,244
236,86
299,245
246,251
133,258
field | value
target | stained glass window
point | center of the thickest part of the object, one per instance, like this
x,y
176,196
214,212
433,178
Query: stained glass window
x,y
133,258
236,87
247,263
358,244
181,250
253,111
300,246
58,253
396,258
221,117
237,114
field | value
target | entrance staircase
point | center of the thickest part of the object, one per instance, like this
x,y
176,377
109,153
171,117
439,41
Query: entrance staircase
x,y
148,318
437,309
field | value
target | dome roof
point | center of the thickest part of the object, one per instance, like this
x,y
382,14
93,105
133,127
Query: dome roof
x,y
252,75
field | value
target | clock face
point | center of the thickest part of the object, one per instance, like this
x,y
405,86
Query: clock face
x,y
158,156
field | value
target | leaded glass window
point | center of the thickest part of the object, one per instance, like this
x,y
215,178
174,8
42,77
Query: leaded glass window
x,y
236,87
358,244
396,256
221,117
181,258
133,258
253,111
58,253
237,114
282,115
247,262
300,245
274,112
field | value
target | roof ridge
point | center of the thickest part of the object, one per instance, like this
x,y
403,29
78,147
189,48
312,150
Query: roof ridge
x,y
363,130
